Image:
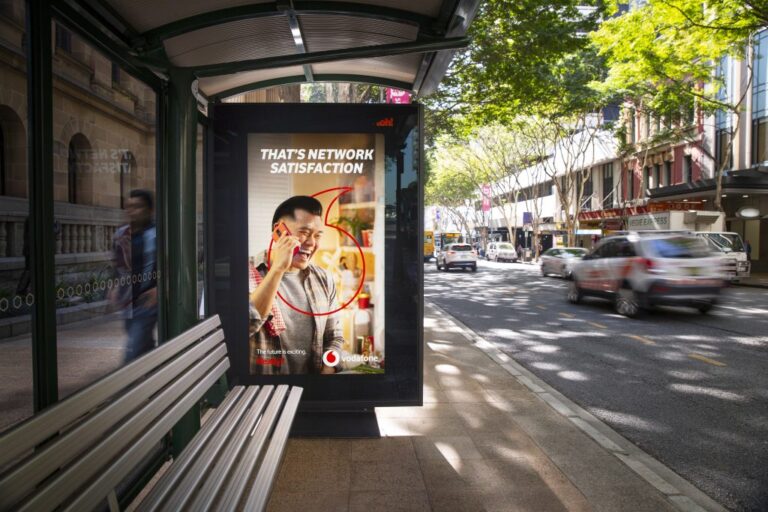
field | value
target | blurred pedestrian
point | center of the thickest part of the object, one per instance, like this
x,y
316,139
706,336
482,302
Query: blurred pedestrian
x,y
134,255
748,250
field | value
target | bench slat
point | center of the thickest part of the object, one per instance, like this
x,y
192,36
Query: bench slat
x,y
18,483
213,366
242,474
117,471
258,495
45,424
217,476
226,414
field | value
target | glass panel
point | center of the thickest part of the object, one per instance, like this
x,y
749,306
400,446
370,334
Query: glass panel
x,y
16,299
104,189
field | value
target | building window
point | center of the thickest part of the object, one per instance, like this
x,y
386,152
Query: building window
x,y
646,179
63,38
723,119
586,197
72,172
760,141
607,185
630,185
632,131
724,155
760,99
126,167
115,74
667,173
656,176
687,169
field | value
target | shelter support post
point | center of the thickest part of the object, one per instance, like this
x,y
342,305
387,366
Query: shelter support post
x,y
41,236
177,206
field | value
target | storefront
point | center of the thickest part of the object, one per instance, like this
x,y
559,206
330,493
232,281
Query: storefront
x,y
745,203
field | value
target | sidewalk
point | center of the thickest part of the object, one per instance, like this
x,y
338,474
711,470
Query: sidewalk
x,y
488,437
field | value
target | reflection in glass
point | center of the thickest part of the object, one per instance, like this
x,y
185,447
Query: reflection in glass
x,y
16,299
104,194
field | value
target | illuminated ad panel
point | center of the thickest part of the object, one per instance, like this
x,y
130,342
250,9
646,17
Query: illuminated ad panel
x,y
315,249
315,253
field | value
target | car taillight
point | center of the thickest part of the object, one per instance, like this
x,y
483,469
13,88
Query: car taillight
x,y
451,252
651,266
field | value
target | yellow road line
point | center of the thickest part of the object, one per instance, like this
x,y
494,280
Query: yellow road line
x,y
641,339
705,359
599,326
542,308
567,315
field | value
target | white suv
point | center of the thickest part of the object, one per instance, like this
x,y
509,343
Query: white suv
x,y
501,251
456,256
638,272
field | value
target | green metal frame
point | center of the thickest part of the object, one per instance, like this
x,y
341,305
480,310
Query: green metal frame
x,y
295,79
40,176
382,50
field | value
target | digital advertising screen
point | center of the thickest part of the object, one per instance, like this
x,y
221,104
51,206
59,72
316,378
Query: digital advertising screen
x,y
316,222
317,248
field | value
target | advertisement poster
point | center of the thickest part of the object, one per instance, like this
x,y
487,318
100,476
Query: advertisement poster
x,y
316,253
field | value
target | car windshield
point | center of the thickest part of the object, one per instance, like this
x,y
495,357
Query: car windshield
x,y
506,247
573,253
459,247
724,242
678,247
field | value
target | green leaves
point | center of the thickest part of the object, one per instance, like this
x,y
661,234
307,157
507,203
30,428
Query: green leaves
x,y
663,53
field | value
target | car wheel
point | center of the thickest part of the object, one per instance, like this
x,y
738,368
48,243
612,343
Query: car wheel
x,y
543,272
568,275
496,258
627,303
437,265
474,268
705,308
574,293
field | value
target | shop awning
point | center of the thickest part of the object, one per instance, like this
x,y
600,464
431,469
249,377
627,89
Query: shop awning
x,y
233,46
747,181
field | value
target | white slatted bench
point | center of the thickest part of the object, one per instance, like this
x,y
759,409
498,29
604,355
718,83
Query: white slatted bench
x,y
73,455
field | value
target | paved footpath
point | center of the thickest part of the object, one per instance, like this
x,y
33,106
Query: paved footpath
x,y
490,437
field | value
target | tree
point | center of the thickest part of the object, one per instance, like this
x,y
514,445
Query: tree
x,y
526,57
450,188
567,149
662,55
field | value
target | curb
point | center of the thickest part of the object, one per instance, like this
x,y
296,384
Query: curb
x,y
681,494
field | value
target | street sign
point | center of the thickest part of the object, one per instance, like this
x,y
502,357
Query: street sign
x,y
486,198
527,218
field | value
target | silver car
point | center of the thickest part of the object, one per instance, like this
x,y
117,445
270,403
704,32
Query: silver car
x,y
560,260
501,251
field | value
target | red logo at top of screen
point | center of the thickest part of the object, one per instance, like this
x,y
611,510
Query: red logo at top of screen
x,y
387,121
331,358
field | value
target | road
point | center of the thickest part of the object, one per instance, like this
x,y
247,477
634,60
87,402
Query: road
x,y
689,389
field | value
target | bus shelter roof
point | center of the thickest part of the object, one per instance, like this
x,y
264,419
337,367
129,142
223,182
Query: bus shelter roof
x,y
232,46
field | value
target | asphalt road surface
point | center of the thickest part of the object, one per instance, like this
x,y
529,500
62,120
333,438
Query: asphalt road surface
x,y
689,389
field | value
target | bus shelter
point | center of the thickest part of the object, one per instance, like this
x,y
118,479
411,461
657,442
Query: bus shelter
x,y
101,98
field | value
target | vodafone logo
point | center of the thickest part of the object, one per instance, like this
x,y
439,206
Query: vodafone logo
x,y
331,358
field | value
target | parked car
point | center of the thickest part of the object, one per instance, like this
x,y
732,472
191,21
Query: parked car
x,y
501,251
561,260
456,256
639,272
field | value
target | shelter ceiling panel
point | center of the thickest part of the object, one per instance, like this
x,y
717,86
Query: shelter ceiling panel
x,y
332,32
402,68
425,7
145,15
216,84
231,42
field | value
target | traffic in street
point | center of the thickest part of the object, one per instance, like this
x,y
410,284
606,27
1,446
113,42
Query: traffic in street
x,y
688,387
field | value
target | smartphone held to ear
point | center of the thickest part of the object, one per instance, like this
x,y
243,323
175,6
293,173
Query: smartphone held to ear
x,y
282,230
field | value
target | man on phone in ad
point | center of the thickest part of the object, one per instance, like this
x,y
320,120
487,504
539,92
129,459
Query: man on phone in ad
x,y
290,333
